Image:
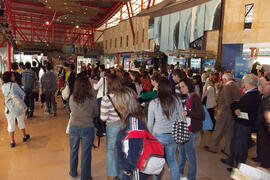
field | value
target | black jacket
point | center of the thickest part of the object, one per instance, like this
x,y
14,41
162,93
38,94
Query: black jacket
x,y
248,103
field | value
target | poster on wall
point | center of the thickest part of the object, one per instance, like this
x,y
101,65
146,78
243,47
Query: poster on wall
x,y
242,66
195,63
180,61
209,64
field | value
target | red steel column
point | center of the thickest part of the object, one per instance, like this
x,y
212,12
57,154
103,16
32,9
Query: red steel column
x,y
9,56
131,25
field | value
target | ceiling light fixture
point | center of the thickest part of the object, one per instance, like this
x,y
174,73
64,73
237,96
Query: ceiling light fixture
x,y
77,27
47,23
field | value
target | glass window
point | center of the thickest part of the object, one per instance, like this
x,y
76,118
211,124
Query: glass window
x,y
248,16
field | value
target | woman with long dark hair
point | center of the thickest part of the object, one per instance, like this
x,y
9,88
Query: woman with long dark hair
x,y
83,109
135,77
132,118
162,113
113,125
194,115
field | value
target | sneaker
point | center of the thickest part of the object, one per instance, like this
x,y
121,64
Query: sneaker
x,y
26,137
183,178
12,145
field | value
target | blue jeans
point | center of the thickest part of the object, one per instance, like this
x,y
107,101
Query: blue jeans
x,y
187,151
85,135
169,146
113,169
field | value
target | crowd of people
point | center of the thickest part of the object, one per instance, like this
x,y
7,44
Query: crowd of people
x,y
115,102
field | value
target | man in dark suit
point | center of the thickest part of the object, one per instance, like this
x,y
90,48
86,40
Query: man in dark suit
x,y
263,136
245,114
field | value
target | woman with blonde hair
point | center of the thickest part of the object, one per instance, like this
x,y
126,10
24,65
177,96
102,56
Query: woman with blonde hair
x,y
132,118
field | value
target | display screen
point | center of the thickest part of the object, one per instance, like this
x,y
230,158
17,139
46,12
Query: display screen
x,y
71,61
195,63
209,63
149,61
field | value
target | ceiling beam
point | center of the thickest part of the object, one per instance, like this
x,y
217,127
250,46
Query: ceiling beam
x,y
93,6
115,7
28,4
31,11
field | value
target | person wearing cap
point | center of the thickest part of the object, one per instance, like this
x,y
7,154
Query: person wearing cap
x,y
224,122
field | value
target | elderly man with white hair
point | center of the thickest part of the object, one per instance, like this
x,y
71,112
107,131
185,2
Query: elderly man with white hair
x,y
245,114
224,122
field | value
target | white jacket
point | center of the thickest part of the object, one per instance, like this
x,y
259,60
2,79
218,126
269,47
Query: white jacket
x,y
99,86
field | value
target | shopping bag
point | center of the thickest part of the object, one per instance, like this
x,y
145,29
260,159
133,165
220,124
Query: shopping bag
x,y
207,123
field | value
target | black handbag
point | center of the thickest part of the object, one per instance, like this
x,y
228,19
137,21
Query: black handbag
x,y
180,132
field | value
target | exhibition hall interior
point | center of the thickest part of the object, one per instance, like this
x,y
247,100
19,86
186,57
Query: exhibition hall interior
x,y
134,90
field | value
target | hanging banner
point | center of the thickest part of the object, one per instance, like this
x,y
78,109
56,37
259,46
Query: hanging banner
x,y
242,66
209,64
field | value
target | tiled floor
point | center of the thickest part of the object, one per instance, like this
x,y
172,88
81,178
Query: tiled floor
x,y
46,155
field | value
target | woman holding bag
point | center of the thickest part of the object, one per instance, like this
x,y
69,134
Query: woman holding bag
x,y
195,115
9,87
209,99
162,112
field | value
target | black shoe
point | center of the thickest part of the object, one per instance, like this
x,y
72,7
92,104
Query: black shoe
x,y
30,115
223,151
265,166
226,161
256,159
230,169
26,137
207,148
251,144
12,145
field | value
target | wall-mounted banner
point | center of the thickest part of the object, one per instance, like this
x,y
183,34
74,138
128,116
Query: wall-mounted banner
x,y
182,62
209,64
242,66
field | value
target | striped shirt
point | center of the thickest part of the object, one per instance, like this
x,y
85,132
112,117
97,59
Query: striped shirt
x,y
107,112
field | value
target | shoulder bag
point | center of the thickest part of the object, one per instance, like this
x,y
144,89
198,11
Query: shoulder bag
x,y
15,104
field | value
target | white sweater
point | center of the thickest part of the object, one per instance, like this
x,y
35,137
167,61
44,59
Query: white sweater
x,y
211,97
99,87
